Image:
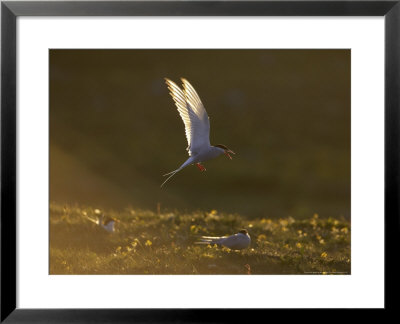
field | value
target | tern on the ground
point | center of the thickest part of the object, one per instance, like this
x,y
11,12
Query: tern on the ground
x,y
108,223
197,127
238,241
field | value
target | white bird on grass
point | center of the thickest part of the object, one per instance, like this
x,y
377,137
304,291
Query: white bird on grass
x,y
197,127
107,223
238,241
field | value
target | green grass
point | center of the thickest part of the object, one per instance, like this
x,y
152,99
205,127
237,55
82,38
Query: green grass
x,y
163,243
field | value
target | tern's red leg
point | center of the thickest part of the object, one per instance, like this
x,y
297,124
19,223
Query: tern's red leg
x,y
201,167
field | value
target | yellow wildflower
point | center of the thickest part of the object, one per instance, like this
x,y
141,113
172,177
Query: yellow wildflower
x,y
283,222
262,237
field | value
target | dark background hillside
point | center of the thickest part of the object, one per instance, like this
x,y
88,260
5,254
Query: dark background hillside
x,y
114,130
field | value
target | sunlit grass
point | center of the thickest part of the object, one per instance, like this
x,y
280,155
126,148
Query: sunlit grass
x,y
162,243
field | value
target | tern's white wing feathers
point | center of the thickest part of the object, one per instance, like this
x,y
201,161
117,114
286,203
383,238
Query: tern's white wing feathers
x,y
211,239
235,242
96,221
193,114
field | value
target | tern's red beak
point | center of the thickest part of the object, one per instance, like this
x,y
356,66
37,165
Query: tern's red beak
x,y
227,153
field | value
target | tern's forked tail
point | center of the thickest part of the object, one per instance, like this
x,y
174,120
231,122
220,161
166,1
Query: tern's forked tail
x,y
97,221
171,174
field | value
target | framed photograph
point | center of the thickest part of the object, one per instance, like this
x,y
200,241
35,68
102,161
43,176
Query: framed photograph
x,y
119,201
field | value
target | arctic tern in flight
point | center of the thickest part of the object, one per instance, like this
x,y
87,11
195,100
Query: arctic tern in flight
x,y
197,127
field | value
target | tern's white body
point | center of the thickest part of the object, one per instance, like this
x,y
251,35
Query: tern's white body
x,y
108,224
238,241
206,153
197,126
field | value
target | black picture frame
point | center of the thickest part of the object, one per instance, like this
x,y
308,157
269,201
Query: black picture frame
x,y
10,10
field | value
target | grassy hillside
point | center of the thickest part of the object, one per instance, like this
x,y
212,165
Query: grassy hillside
x,y
162,242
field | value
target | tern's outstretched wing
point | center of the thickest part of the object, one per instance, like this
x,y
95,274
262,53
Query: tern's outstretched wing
x,y
193,114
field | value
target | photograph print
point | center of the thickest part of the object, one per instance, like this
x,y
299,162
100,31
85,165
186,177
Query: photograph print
x,y
200,161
